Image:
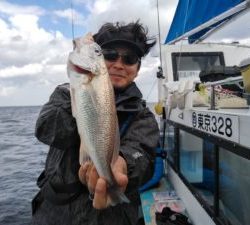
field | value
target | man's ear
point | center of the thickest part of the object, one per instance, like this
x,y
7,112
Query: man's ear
x,y
74,44
139,66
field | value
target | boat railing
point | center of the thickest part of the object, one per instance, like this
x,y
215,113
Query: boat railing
x,y
231,80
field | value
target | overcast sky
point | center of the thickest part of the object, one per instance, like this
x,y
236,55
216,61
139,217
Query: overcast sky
x,y
36,37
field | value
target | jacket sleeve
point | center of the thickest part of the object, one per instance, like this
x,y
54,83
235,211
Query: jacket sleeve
x,y
55,125
138,148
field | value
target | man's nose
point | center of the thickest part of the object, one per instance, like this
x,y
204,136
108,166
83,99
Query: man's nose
x,y
119,63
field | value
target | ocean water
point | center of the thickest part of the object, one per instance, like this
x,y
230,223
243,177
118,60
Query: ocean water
x,y
22,158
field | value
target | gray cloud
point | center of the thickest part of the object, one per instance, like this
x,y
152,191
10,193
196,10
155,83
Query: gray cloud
x,y
35,59
30,57
14,9
237,29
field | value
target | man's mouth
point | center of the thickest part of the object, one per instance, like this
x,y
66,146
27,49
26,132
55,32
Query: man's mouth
x,y
117,75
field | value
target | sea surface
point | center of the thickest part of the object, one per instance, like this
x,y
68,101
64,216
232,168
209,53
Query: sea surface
x,y
22,158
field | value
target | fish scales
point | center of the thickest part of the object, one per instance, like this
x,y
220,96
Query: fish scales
x,y
87,118
93,106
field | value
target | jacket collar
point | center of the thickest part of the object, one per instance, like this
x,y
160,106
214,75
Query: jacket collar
x,y
129,99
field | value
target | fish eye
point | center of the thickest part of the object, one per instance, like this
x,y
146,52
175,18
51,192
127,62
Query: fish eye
x,y
98,52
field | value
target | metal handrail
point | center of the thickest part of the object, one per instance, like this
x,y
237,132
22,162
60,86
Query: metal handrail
x,y
230,80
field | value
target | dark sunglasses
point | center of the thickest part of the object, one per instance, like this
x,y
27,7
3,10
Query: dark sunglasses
x,y
127,58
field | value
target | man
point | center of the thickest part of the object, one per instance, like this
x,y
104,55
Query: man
x,y
65,196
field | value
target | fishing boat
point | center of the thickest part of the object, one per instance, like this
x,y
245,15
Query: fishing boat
x,y
205,118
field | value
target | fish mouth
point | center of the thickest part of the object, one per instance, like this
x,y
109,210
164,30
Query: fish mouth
x,y
78,69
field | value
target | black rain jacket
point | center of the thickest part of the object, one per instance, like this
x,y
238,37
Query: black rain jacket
x,y
62,199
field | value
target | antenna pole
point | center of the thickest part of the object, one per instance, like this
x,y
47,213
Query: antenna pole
x,y
72,19
159,31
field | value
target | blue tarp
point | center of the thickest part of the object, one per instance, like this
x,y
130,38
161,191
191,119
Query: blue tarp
x,y
193,13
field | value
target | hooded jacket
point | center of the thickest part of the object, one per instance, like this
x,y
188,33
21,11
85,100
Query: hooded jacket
x,y
62,199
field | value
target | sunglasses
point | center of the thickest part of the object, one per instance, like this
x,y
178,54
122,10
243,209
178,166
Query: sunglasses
x,y
127,58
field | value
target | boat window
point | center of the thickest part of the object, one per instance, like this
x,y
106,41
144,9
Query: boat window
x,y
214,170
234,186
197,164
169,143
191,157
189,65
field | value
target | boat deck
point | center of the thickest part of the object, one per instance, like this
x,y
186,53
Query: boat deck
x,y
154,200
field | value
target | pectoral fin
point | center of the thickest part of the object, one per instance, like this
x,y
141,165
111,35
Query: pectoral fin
x,y
83,156
73,101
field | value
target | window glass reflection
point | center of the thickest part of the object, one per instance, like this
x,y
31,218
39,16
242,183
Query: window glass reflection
x,y
234,187
169,142
191,157
189,66
197,164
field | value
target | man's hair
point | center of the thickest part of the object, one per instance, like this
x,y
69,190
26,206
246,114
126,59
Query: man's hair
x,y
132,34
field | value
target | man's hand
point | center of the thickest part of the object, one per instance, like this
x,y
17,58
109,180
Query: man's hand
x,y
98,185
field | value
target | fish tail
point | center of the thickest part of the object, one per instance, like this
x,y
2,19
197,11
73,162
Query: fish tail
x,y
117,197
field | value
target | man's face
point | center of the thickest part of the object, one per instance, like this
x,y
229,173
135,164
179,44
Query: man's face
x,y
120,71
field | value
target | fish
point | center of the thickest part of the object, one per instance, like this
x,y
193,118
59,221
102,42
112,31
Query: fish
x,y
93,107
